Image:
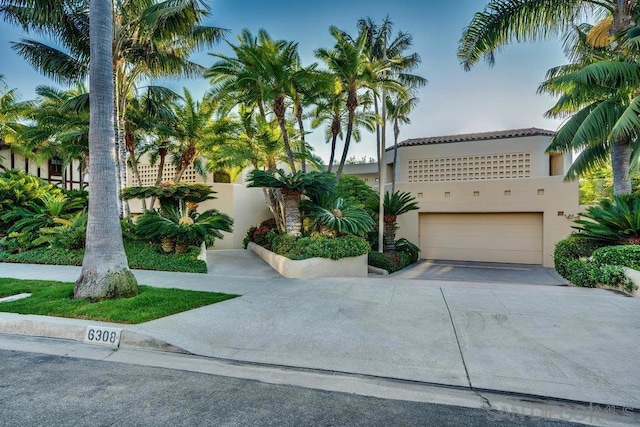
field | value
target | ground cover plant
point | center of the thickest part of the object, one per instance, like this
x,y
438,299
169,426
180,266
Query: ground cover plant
x,y
50,298
140,254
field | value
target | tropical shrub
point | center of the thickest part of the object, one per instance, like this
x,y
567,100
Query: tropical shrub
x,y
394,205
354,191
69,233
403,245
259,234
574,247
623,255
331,215
572,262
614,220
390,261
320,246
191,229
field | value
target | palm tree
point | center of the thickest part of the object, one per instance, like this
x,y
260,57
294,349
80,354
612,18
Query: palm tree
x,y
192,126
105,272
152,38
381,47
292,186
504,21
398,109
57,126
263,72
348,61
599,91
11,111
331,109
394,205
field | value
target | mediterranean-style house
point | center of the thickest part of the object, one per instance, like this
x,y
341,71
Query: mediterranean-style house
x,y
493,197
489,197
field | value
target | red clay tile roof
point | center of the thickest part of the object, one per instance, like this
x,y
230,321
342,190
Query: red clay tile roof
x,y
515,133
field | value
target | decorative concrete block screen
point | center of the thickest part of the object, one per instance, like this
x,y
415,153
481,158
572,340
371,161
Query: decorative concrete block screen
x,y
148,174
466,168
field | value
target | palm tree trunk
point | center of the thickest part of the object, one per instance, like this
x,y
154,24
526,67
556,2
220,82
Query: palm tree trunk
x,y
293,222
279,110
396,133
163,155
334,138
186,159
122,163
620,158
377,112
273,198
105,273
303,149
131,148
347,140
389,233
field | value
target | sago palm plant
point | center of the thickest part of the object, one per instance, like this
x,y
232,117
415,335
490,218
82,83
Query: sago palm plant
x,y
395,204
616,220
331,215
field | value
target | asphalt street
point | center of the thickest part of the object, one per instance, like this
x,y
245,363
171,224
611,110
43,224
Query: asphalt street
x,y
41,389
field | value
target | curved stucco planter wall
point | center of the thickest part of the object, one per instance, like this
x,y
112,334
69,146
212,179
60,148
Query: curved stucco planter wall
x,y
313,267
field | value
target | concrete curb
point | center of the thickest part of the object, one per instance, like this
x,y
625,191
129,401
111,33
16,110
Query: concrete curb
x,y
74,330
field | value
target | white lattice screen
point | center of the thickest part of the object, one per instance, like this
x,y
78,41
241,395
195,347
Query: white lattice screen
x,y
148,174
466,168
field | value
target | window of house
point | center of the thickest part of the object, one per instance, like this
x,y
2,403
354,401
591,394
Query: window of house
x,y
55,166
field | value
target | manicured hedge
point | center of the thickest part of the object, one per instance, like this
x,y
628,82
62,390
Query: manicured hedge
x,y
624,255
573,262
318,245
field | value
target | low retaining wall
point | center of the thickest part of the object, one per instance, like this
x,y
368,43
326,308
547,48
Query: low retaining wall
x,y
313,267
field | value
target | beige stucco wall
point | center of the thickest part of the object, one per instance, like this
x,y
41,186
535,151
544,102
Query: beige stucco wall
x,y
552,197
536,145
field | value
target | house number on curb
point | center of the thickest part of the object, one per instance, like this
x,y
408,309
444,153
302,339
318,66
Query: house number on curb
x,y
103,336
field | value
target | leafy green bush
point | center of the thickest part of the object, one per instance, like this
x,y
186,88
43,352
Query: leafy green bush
x,y
141,255
404,245
571,262
318,245
391,261
623,255
259,235
572,248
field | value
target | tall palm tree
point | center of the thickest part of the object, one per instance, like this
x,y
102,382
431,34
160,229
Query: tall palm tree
x,y
331,109
58,126
502,22
263,72
348,60
152,38
105,272
398,109
382,47
194,121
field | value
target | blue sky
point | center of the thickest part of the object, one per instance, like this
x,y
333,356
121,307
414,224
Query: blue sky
x,y
454,101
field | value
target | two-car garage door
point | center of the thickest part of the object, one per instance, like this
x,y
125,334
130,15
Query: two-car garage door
x,y
485,237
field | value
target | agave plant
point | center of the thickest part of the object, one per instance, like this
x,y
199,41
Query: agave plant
x,y
331,215
191,229
614,220
395,204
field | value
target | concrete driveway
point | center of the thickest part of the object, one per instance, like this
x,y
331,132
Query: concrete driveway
x,y
467,271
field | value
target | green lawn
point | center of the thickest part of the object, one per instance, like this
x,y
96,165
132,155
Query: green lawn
x,y
51,298
141,255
